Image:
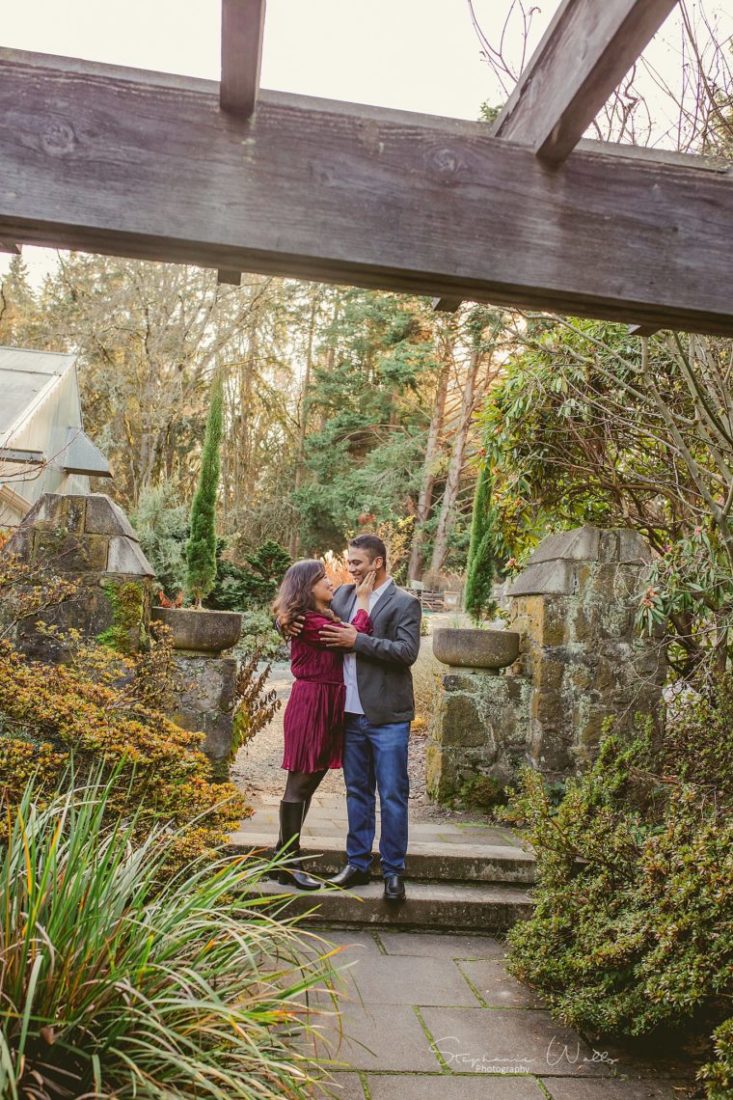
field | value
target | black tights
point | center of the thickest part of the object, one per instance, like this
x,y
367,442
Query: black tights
x,y
301,785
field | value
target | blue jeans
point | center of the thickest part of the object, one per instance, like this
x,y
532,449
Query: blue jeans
x,y
375,757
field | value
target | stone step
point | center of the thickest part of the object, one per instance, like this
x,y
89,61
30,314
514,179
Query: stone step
x,y
430,906
426,860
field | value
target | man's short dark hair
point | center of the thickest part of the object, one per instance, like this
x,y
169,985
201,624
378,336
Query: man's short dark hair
x,y
373,545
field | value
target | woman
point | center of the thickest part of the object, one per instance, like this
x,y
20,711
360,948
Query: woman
x,y
314,717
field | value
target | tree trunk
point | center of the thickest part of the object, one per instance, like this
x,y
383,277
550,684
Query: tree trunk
x,y
432,451
455,466
303,421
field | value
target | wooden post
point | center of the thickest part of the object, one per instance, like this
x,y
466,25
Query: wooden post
x,y
586,51
242,29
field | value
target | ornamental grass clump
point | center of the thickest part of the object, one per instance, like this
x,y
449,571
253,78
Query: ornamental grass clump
x,y
116,981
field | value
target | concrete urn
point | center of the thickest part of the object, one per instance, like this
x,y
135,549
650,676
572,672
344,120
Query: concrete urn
x,y
469,647
200,631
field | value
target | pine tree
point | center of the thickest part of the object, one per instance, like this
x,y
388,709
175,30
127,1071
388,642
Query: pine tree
x,y
479,601
201,548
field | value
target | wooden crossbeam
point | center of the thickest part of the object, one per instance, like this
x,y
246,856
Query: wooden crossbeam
x,y
139,164
242,29
643,330
446,305
586,51
8,246
229,278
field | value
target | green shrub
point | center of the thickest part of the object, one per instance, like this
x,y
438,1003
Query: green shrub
x,y
251,585
118,983
260,637
482,792
633,926
90,711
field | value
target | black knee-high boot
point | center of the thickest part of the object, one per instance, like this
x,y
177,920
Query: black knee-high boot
x,y
292,815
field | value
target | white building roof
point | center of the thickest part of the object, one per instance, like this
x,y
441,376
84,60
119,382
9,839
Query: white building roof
x,y
25,376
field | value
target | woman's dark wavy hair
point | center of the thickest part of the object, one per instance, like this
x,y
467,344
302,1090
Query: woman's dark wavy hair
x,y
295,596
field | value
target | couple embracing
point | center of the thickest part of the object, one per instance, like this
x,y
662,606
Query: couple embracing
x,y
351,705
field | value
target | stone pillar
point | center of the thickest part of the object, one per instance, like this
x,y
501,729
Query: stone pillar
x,y
205,701
478,733
582,662
87,540
575,604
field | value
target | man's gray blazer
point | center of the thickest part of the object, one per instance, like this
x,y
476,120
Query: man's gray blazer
x,y
383,659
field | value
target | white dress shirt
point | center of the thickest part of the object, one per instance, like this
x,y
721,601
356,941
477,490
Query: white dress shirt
x,y
353,702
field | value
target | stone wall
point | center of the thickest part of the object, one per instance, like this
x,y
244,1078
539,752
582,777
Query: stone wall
x,y
478,733
575,605
582,661
87,540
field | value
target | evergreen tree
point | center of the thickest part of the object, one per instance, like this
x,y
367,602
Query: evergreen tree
x,y
201,548
479,601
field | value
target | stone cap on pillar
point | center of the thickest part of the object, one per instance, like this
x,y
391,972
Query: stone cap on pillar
x,y
85,518
550,571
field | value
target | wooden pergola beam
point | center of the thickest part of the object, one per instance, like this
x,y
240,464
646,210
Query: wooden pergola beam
x,y
446,305
8,246
138,164
242,30
643,330
585,53
228,278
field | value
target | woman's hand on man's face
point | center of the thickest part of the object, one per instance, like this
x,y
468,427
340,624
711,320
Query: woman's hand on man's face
x,y
365,587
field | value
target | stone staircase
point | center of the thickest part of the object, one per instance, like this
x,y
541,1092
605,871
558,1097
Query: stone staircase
x,y
461,876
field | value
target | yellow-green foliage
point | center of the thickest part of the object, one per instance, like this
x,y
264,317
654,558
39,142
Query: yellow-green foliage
x,y
49,713
633,928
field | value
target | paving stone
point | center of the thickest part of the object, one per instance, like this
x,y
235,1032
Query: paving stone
x,y
394,980
490,1040
563,1088
437,946
443,1087
346,1086
497,987
377,1040
352,943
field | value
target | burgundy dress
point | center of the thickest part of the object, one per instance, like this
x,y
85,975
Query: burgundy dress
x,y
314,717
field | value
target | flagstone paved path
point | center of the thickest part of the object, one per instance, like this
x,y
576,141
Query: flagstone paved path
x,y
437,1017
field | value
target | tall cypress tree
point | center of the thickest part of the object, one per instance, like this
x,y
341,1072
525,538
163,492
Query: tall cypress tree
x,y
201,548
479,601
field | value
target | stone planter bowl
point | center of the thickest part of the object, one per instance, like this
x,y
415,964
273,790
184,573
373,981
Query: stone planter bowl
x,y
200,631
469,647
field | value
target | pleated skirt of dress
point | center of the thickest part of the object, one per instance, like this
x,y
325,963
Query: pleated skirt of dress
x,y
313,726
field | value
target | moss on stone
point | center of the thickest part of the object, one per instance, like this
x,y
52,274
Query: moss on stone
x,y
126,633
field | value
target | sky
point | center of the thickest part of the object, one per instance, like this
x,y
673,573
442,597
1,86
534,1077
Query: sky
x,y
417,55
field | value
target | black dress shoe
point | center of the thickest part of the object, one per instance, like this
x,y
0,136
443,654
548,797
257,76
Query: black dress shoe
x,y
394,888
294,875
350,876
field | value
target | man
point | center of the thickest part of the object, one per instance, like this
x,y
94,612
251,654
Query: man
x,y
379,709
